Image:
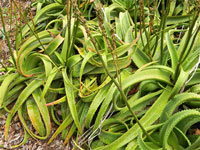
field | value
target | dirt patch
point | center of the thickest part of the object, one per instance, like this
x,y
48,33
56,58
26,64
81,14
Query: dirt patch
x,y
16,135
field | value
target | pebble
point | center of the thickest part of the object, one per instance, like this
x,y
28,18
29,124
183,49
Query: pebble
x,y
16,135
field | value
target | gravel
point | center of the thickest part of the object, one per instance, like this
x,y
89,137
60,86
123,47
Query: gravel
x,y
16,134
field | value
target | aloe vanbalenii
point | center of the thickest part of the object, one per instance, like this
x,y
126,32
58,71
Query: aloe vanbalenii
x,y
110,79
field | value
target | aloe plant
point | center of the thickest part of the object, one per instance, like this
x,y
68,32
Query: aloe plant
x,y
109,80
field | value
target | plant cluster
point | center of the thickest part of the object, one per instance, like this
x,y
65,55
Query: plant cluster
x,y
120,74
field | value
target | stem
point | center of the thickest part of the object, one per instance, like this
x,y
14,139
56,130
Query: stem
x,y
194,145
35,34
181,58
162,33
16,30
20,20
113,47
135,18
191,45
7,37
189,34
10,17
159,29
74,35
4,66
144,27
118,68
69,11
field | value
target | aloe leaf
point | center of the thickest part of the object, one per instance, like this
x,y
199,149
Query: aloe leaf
x,y
50,78
47,63
177,101
40,14
172,51
82,115
172,7
73,60
13,94
43,111
21,99
178,19
4,86
149,74
132,145
60,100
148,119
144,146
66,44
41,35
71,99
95,104
25,94
171,123
20,114
55,43
21,56
123,63
180,82
85,60
136,102
124,22
131,80
35,117
140,58
59,56
66,122
26,136
18,80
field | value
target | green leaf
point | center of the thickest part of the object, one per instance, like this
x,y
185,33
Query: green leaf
x,y
172,122
71,99
35,117
4,86
95,104
172,52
